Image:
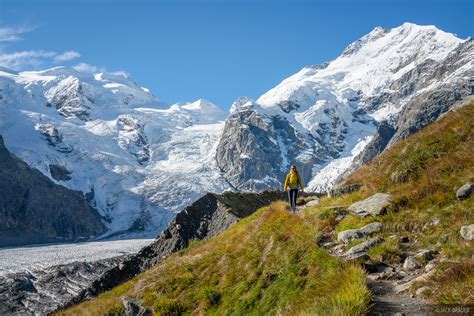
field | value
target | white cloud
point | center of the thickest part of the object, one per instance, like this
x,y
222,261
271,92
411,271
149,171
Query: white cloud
x,y
121,73
20,59
12,33
83,67
66,56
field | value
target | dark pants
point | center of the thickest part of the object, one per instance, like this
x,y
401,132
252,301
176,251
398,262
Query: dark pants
x,y
292,196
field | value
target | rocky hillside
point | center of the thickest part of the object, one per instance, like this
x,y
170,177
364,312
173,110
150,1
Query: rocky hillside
x,y
398,237
33,209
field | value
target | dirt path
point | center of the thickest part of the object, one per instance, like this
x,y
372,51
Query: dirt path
x,y
387,302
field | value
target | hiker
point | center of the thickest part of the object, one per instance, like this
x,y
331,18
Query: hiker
x,y
292,181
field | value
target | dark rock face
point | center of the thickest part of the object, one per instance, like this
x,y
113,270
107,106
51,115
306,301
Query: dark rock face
x,y
59,173
376,145
205,218
256,151
71,100
30,293
33,209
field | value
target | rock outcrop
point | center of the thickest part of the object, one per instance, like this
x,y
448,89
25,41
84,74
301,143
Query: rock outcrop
x,y
33,209
256,150
374,205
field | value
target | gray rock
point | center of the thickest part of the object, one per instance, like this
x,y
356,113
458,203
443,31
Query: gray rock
x,y
374,205
467,232
133,307
312,203
371,228
359,249
350,235
411,264
465,191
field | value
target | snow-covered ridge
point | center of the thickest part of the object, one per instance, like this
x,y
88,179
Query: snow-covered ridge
x,y
137,159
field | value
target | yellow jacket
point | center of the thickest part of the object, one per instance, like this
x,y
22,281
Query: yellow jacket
x,y
292,181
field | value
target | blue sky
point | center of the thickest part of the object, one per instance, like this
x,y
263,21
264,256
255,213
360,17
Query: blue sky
x,y
216,50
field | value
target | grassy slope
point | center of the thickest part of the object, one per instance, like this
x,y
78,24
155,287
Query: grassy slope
x,y
423,173
267,263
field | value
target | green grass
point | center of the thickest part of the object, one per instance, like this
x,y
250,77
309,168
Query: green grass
x,y
268,263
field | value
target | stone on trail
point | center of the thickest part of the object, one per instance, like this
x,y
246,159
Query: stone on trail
x,y
374,205
350,235
465,191
411,264
467,232
359,249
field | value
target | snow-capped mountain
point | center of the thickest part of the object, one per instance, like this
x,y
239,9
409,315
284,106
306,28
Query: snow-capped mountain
x,y
138,160
334,114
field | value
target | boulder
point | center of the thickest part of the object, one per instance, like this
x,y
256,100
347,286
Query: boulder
x,y
465,191
312,203
371,228
362,248
411,264
350,235
374,205
467,232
